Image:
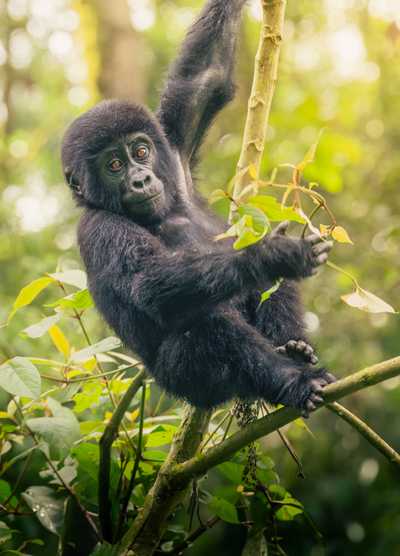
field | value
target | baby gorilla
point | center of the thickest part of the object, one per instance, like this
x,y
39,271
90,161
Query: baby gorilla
x,y
187,305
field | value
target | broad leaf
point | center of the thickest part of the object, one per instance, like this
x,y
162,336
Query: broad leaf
x,y
80,301
37,330
274,210
341,235
48,509
107,344
20,377
75,278
29,293
224,509
60,431
367,301
288,512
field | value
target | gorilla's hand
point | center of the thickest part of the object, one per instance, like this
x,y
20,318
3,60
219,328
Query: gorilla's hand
x,y
299,351
296,258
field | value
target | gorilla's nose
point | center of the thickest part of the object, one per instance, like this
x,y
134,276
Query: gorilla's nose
x,y
142,182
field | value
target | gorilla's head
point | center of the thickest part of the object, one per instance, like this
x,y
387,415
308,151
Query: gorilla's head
x,y
115,157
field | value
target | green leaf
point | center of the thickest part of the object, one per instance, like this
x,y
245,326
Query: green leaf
x,y
247,235
224,509
5,490
80,301
288,513
37,330
160,436
259,220
274,210
5,533
48,509
232,471
60,432
107,344
267,294
75,278
20,377
367,301
29,293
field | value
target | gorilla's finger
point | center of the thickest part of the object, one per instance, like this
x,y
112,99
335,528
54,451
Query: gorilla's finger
x,y
281,229
323,247
316,399
313,239
301,346
314,359
291,344
321,259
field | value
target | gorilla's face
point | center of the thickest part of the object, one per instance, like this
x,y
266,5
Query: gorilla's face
x,y
127,168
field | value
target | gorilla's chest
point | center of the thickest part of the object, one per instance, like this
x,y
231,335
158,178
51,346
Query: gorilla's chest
x,y
180,233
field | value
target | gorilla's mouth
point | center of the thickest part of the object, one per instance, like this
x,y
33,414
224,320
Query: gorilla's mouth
x,y
148,199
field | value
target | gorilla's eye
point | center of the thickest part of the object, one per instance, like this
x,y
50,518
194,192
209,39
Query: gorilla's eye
x,y
142,152
115,165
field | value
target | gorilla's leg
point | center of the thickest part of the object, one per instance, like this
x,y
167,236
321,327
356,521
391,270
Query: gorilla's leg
x,y
222,357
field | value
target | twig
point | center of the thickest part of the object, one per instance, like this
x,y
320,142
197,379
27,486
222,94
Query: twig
x,y
370,435
209,524
289,447
89,378
107,439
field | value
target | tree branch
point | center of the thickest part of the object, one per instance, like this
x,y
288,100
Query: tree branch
x,y
266,425
145,532
370,435
262,92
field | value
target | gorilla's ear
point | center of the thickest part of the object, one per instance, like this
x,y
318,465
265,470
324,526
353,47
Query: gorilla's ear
x,y
73,182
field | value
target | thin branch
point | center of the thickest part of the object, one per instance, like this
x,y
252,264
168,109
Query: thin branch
x,y
91,377
370,435
127,497
209,524
264,426
109,435
286,442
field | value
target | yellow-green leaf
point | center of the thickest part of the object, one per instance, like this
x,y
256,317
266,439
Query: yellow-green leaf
x,y
310,154
367,301
59,340
217,195
29,293
324,229
341,235
267,294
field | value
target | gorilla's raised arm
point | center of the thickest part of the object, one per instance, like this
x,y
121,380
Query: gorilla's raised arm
x,y
200,82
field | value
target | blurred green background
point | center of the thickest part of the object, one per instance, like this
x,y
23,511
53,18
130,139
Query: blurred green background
x,y
339,70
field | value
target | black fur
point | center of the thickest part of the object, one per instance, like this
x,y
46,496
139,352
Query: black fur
x,y
187,305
